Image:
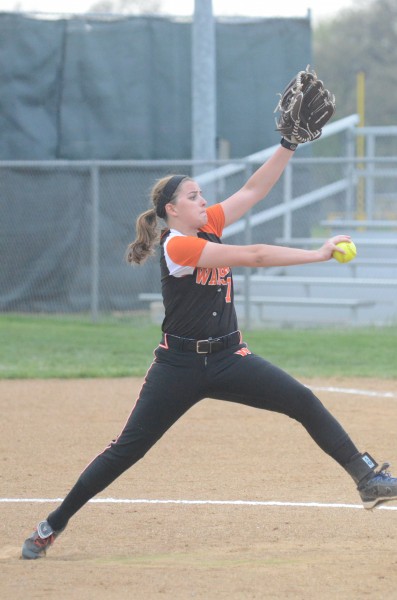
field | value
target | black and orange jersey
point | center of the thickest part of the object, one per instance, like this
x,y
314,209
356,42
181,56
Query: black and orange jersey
x,y
198,301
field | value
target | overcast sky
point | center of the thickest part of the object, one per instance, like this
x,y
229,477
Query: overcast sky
x,y
286,8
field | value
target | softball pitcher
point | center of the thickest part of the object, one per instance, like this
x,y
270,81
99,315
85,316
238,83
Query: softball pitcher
x,y
201,353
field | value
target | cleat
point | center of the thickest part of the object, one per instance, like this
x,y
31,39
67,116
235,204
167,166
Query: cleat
x,y
380,487
42,538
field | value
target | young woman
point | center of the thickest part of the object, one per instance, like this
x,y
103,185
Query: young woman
x,y
201,353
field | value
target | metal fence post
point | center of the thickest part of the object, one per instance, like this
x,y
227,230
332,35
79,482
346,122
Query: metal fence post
x,y
287,197
370,181
351,174
94,172
247,275
248,270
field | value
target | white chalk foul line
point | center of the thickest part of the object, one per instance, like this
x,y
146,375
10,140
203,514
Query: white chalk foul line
x,y
200,502
338,390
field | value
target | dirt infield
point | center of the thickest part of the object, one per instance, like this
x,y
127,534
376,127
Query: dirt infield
x,y
51,429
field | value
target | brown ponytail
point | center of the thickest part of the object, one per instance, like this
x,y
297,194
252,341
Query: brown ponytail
x,y
147,232
147,236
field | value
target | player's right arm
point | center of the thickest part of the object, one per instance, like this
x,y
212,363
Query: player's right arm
x,y
264,255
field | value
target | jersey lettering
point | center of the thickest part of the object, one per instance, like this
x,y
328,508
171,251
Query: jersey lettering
x,y
203,275
228,297
214,277
217,276
222,272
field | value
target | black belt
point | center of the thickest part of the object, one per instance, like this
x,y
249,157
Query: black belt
x,y
201,346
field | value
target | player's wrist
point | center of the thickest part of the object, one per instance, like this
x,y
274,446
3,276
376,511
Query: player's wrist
x,y
288,144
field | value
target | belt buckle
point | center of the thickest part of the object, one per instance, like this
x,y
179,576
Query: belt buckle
x,y
198,351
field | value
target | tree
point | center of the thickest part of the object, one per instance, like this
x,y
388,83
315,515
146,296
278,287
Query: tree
x,y
132,7
362,38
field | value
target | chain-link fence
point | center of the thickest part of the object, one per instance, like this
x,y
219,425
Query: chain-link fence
x,y
65,225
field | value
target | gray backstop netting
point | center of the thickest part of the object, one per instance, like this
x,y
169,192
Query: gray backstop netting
x,y
120,88
82,89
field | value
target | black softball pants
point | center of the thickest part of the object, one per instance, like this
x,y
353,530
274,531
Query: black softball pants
x,y
175,382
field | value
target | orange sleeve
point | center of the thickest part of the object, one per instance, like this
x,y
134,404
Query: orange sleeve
x,y
185,250
216,220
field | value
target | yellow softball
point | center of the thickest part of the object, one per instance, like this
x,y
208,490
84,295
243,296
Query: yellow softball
x,y
349,248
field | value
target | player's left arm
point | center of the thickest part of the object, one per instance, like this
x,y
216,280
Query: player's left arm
x,y
256,187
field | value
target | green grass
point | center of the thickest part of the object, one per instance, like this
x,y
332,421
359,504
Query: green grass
x,y
366,352
68,347
45,347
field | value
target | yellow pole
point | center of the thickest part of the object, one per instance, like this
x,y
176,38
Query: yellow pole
x,y
360,145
